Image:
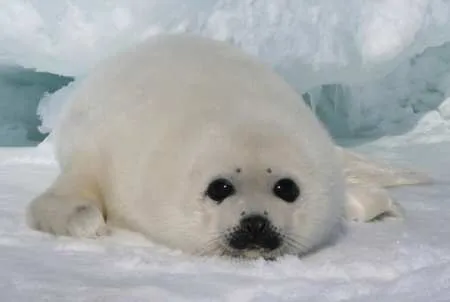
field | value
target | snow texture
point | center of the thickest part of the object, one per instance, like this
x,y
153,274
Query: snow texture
x,y
369,67
405,260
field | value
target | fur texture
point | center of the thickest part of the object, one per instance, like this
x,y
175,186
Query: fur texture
x,y
149,129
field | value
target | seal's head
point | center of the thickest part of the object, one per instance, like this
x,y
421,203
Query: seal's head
x,y
254,234
265,193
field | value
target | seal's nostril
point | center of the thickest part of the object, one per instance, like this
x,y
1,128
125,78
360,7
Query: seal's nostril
x,y
254,224
260,225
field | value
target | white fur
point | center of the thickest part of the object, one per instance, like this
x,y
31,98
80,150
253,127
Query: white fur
x,y
148,130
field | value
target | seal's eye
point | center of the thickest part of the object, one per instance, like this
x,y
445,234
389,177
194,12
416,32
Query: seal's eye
x,y
286,189
220,189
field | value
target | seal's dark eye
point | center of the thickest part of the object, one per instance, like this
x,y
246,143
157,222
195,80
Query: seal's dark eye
x,y
220,189
286,189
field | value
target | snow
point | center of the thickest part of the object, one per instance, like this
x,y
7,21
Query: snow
x,y
373,69
392,260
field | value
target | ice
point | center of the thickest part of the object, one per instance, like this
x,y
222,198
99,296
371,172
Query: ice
x,y
369,67
355,59
336,40
394,104
20,92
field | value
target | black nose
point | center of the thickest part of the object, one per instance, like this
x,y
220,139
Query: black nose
x,y
255,232
254,224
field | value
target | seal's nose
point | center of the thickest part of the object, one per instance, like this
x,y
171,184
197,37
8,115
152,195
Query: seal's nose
x,y
254,224
255,232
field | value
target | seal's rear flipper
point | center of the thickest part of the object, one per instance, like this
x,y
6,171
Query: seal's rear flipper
x,y
361,170
367,199
367,203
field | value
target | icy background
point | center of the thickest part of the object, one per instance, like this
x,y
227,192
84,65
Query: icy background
x,y
370,68
374,70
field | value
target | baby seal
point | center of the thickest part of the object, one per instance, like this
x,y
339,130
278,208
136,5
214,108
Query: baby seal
x,y
201,148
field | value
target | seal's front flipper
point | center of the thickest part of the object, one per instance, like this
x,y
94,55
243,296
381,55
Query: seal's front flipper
x,y
366,203
65,215
68,208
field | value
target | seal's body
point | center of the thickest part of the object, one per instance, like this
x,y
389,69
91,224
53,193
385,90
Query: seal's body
x,y
200,148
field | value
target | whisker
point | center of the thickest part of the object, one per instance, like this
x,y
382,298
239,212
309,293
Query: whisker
x,y
293,244
212,246
296,243
299,246
209,249
297,238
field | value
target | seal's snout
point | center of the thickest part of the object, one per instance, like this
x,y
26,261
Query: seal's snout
x,y
254,225
255,232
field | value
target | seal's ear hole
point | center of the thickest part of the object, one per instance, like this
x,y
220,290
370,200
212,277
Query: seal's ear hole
x,y
220,189
286,189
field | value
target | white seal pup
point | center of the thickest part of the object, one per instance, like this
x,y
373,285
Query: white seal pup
x,y
199,147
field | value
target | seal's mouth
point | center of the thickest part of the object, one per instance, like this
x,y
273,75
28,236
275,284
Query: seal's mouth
x,y
240,245
242,240
254,237
251,254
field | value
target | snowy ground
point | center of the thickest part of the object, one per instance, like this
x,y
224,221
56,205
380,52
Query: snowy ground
x,y
394,260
